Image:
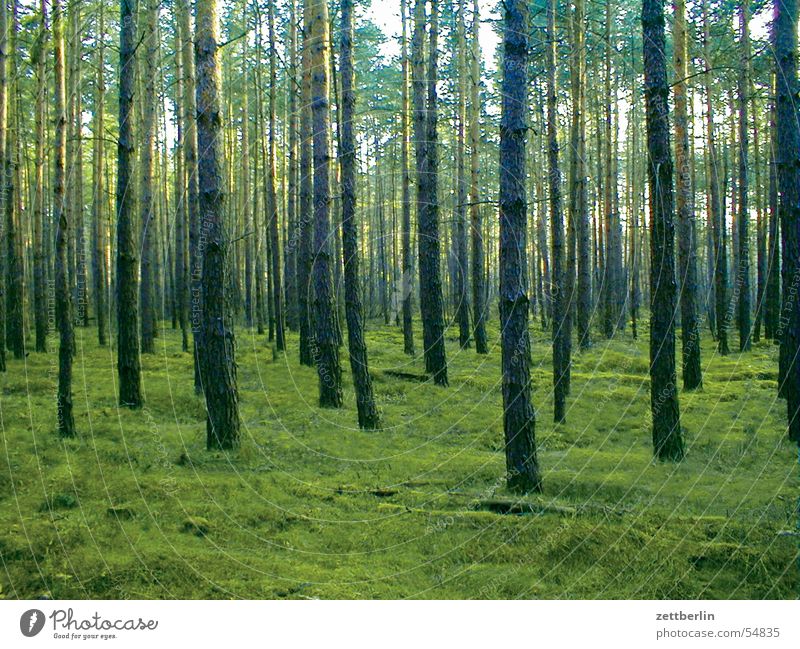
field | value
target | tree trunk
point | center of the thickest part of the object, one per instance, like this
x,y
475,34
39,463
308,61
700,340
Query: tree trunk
x,y
687,264
326,348
425,120
128,363
519,418
788,159
559,294
478,262
39,208
667,437
717,199
66,421
305,232
147,205
218,350
407,278
290,248
773,299
743,278
368,417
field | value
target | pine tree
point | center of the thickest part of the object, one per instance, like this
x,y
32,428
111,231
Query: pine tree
x,y
128,363
667,437
519,418
218,349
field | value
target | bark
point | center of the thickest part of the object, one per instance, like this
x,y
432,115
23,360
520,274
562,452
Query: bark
x,y
407,278
667,437
478,263
66,421
290,260
305,231
15,270
4,93
743,213
195,261
687,264
326,348
181,256
579,208
788,162
40,252
519,418
147,203
368,417
218,349
273,215
773,289
559,295
462,286
128,363
425,133
717,200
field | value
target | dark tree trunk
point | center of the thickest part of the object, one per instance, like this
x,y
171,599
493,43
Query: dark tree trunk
x,y
39,210
15,271
4,96
579,208
425,119
326,343
128,363
478,262
773,289
742,222
519,417
559,294
687,264
66,421
218,362
667,437
368,417
195,261
275,248
147,203
290,249
717,205
407,278
788,159
462,251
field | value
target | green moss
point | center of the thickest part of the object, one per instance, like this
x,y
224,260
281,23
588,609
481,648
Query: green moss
x,y
310,506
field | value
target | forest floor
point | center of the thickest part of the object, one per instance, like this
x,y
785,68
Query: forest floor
x,y
311,507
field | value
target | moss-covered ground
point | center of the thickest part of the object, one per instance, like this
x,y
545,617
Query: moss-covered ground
x,y
311,507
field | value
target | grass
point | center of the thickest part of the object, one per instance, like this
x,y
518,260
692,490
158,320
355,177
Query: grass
x,y
311,507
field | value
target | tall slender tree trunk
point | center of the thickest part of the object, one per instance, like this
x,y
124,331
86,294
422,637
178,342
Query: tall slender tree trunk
x,y
667,437
717,199
743,271
39,252
218,349
788,159
478,263
326,348
15,269
560,297
773,299
66,420
519,417
147,205
4,93
687,264
189,118
305,231
128,362
368,416
407,278
425,132
462,251
182,255
273,214
290,243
